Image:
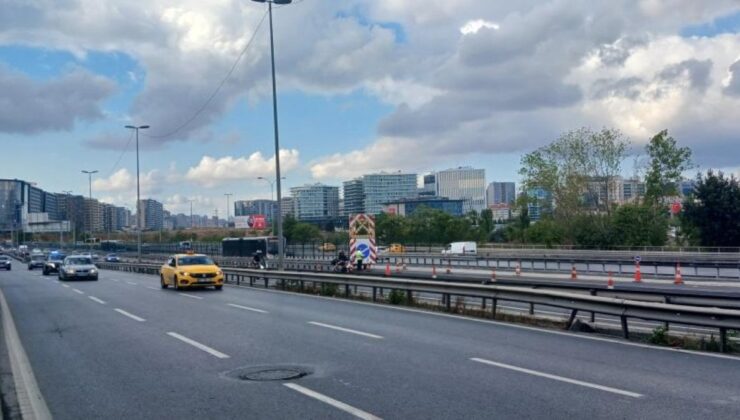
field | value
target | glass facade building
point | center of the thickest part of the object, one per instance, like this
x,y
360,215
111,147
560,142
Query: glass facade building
x,y
464,183
315,203
369,193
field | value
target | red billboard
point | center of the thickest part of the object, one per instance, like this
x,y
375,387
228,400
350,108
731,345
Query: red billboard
x,y
257,221
253,221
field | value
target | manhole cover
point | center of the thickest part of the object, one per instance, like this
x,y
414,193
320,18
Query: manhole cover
x,y
273,375
269,373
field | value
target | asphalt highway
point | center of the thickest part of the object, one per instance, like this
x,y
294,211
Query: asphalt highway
x,y
123,348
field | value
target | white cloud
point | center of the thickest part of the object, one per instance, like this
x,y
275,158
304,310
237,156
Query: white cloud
x,y
212,171
473,26
122,180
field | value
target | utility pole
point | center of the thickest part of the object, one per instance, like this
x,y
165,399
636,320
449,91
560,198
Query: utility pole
x,y
138,190
90,232
228,196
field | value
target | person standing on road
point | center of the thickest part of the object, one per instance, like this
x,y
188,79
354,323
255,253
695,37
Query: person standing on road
x,y
359,258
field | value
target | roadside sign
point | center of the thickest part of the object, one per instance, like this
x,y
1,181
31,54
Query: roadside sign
x,y
362,237
637,258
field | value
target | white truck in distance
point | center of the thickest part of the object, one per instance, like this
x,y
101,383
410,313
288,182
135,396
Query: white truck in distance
x,y
461,248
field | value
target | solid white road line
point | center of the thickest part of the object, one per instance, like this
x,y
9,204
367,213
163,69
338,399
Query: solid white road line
x,y
198,345
65,285
247,308
132,316
190,296
132,283
31,402
79,291
347,330
558,378
94,299
332,402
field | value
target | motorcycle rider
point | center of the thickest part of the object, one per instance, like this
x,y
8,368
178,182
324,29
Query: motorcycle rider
x,y
257,259
341,261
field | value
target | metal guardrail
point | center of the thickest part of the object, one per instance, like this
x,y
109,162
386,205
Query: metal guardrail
x,y
677,295
722,319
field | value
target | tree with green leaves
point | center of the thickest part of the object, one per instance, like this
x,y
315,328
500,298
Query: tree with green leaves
x,y
639,225
713,210
575,166
666,164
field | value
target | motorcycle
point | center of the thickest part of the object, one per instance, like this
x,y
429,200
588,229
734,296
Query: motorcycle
x,y
340,266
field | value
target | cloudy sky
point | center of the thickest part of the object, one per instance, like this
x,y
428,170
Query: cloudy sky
x,y
365,85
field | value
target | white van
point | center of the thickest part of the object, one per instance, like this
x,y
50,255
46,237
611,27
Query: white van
x,y
461,248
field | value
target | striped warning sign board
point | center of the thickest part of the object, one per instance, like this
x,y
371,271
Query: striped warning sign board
x,y
362,237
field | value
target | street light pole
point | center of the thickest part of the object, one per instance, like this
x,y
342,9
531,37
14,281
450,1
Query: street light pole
x,y
138,191
228,196
89,178
191,214
279,215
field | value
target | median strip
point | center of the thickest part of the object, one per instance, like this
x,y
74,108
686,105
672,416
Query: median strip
x,y
132,316
332,402
558,378
347,330
247,308
198,345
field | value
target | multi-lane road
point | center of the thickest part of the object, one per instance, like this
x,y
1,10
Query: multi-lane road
x,y
123,348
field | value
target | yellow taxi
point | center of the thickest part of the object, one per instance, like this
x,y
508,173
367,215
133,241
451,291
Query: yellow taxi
x,y
327,247
191,271
397,249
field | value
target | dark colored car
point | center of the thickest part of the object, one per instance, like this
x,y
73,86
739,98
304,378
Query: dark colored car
x,y
5,262
36,261
53,263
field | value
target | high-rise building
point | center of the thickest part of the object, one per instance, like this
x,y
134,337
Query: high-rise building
x,y
354,197
268,208
287,206
93,220
500,193
369,193
464,183
72,208
11,204
151,214
316,203
541,203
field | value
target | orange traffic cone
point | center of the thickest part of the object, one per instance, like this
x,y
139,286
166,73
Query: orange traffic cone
x,y
638,274
388,269
610,282
573,273
518,270
679,278
434,271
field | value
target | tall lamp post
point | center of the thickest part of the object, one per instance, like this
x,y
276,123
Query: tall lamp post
x,y
89,178
138,191
279,215
228,196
